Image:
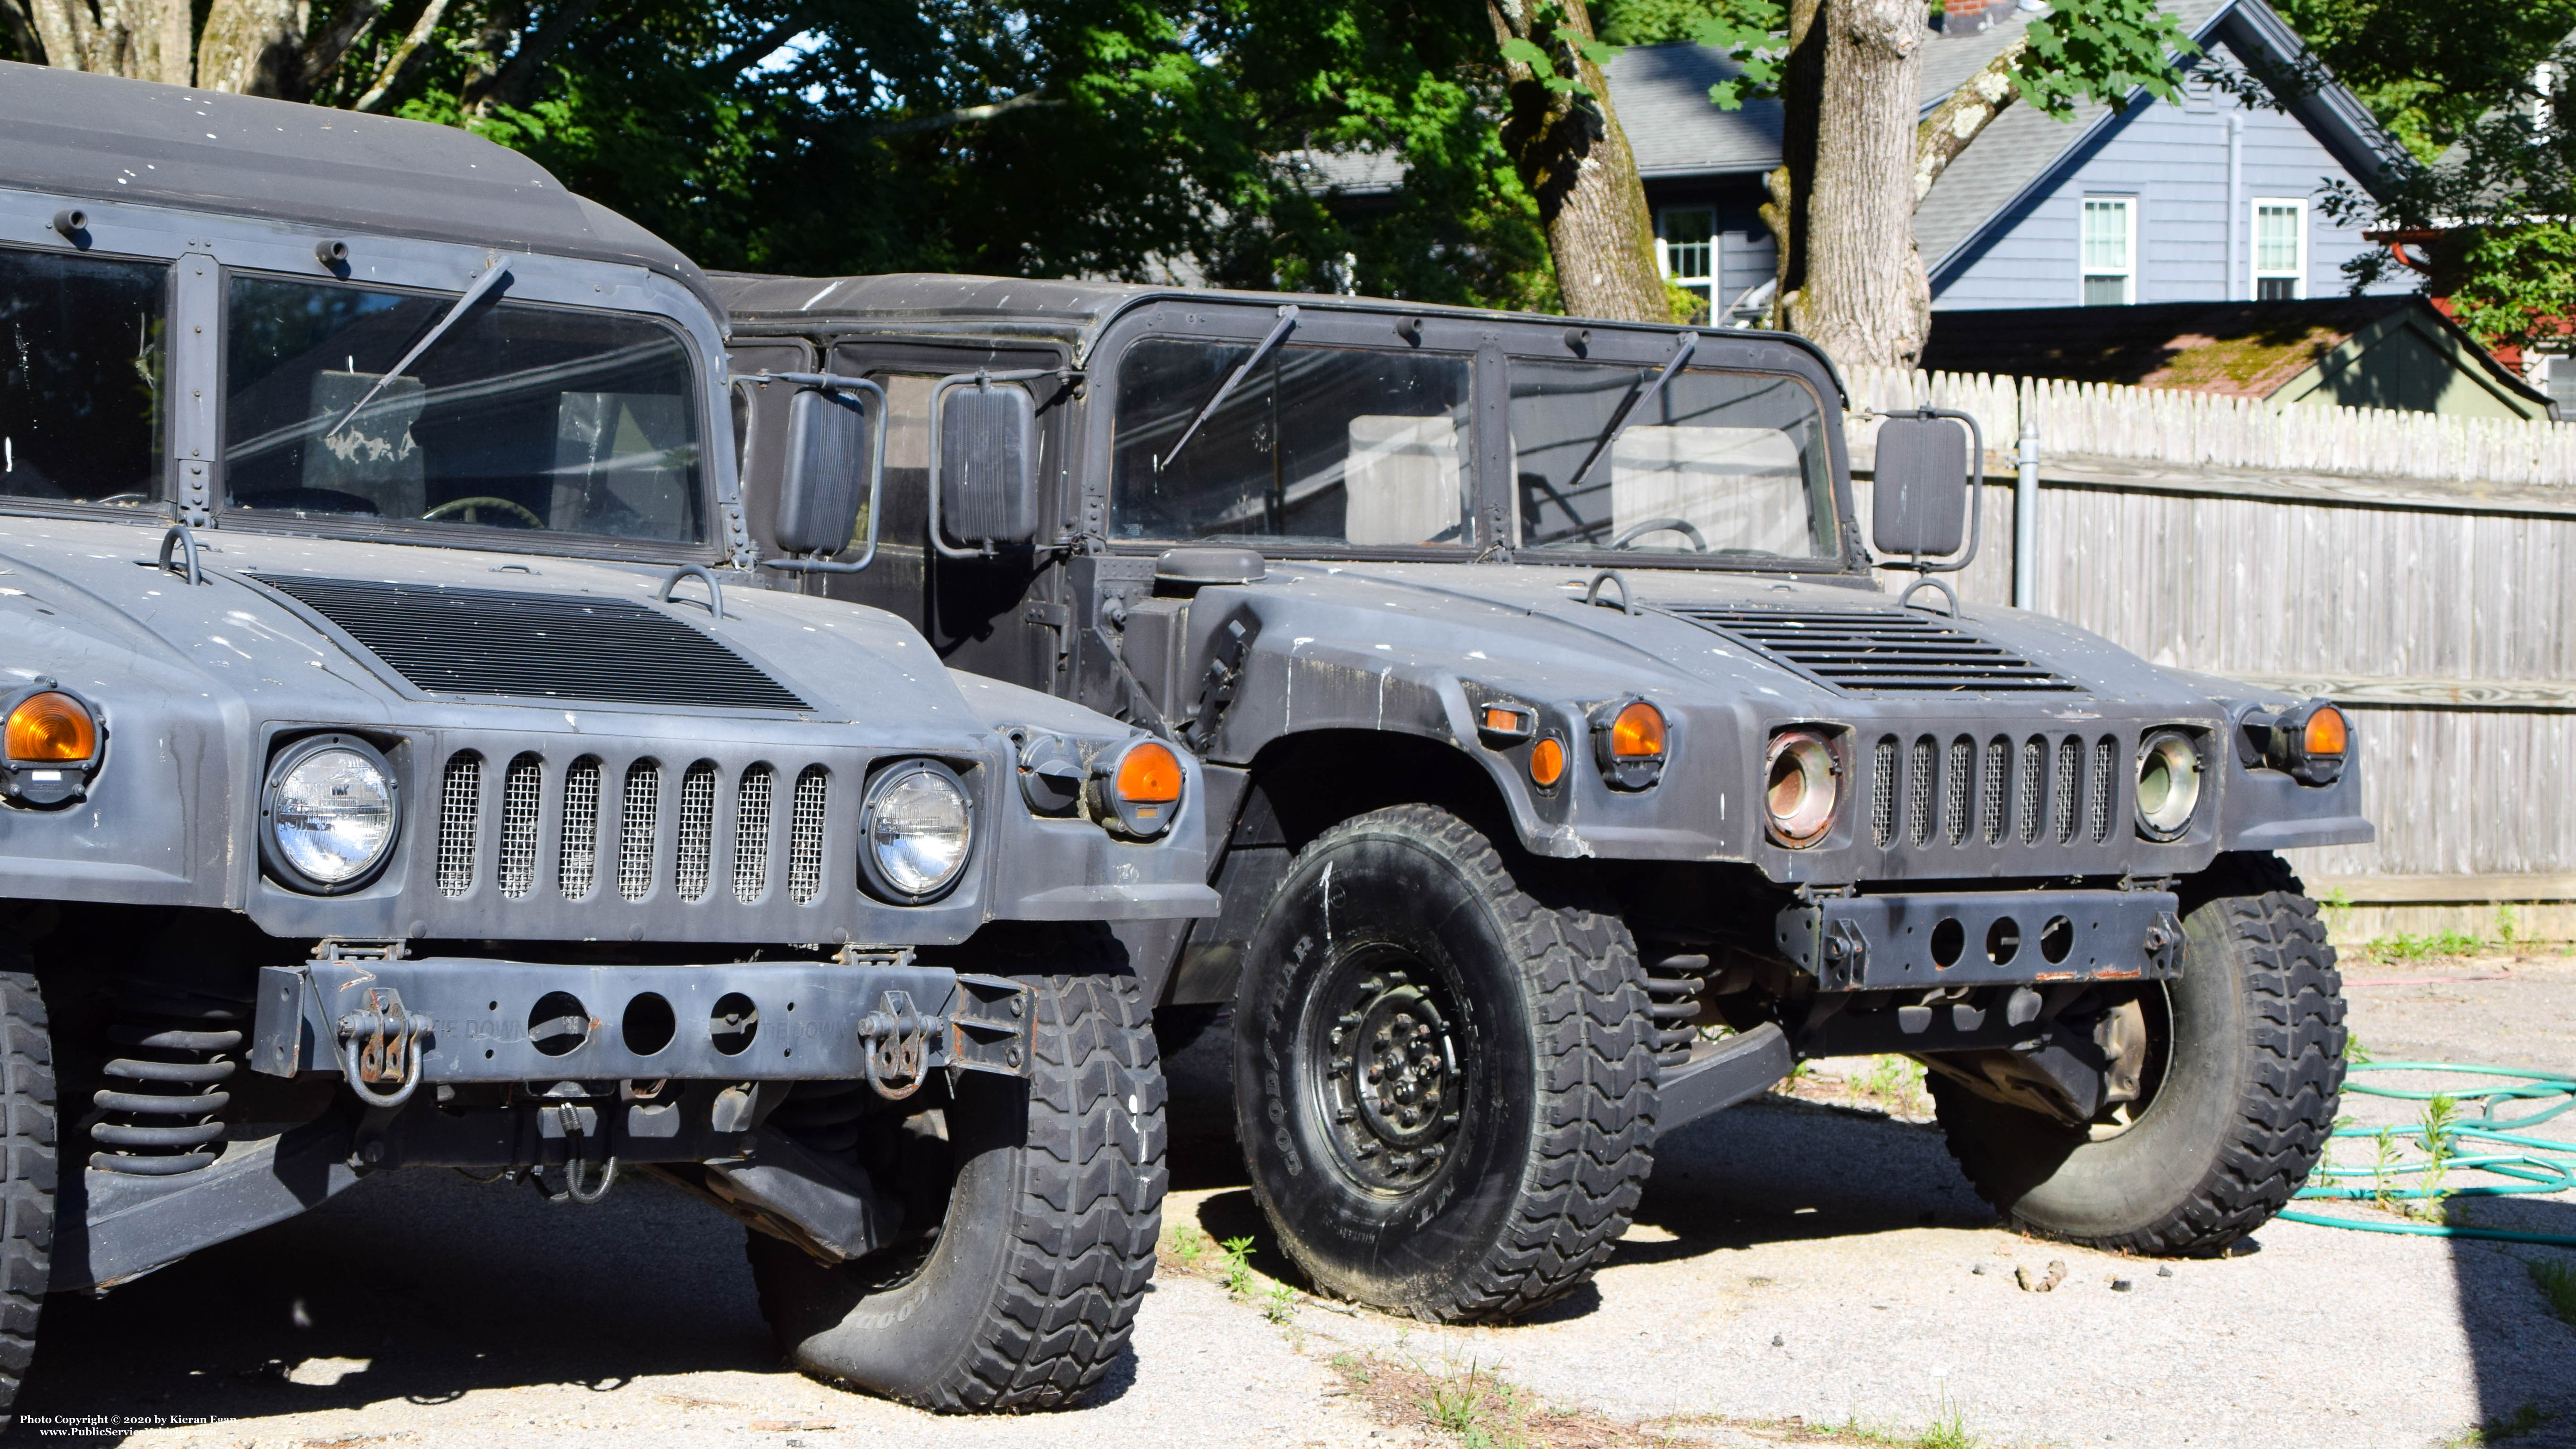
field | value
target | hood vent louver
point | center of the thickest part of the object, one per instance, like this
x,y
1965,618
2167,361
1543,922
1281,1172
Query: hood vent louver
x,y
1879,651
504,643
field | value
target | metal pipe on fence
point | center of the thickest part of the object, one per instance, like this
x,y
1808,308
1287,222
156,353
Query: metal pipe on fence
x,y
2025,586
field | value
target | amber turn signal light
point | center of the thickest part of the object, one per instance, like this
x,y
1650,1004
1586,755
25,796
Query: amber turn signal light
x,y
2308,743
1547,763
1150,775
2327,733
1637,732
51,728
1629,742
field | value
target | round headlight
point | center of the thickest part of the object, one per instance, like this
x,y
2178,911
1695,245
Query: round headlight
x,y
2168,785
330,814
1800,786
918,828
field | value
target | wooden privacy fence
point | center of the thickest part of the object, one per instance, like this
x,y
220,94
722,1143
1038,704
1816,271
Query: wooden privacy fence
x,y
2429,587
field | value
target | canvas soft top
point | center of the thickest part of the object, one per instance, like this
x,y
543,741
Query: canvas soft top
x,y
1071,311
103,138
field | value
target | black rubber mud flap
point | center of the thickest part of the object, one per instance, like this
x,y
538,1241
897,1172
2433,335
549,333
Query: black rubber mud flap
x,y
1029,1291
1444,1087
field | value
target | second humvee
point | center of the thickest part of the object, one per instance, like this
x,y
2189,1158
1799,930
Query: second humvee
x,y
1570,772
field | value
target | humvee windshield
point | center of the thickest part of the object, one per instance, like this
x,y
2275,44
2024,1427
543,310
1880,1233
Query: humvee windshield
x,y
1325,446
520,417
80,382
1722,463
1320,445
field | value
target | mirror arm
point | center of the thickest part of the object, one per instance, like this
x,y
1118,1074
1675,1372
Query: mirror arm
x,y
1976,499
938,391
822,564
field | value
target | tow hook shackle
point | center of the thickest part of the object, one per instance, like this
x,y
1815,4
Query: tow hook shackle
x,y
380,1043
898,1044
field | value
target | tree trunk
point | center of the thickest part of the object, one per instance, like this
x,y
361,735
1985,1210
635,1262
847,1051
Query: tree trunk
x,y
158,46
253,48
1791,184
1574,161
1865,299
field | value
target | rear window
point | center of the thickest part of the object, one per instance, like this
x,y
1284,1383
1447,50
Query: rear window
x,y
1318,445
81,377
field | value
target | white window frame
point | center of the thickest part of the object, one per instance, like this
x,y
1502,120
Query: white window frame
x,y
2298,279
1706,286
2085,271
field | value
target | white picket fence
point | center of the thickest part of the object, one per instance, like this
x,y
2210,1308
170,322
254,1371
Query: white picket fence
x,y
2198,429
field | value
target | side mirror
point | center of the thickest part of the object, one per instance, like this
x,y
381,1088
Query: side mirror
x,y
824,481
983,463
1920,495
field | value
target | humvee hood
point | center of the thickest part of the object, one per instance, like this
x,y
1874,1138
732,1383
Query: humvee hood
x,y
360,633
1689,632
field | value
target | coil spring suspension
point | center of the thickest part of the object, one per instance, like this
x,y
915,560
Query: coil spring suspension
x,y
172,1049
1673,985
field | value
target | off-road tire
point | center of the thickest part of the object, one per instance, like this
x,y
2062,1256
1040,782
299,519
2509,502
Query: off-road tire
x,y
1556,1122
2244,1108
1029,1292
27,1167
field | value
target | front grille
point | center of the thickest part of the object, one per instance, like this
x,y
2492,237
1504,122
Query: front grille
x,y
460,809
1880,651
2044,790
548,646
642,834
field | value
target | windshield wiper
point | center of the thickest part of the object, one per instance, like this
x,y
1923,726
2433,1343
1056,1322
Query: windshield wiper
x,y
1628,409
491,278
1287,319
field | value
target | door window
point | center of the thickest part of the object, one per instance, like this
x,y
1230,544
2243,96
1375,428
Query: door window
x,y
81,377
1321,445
520,417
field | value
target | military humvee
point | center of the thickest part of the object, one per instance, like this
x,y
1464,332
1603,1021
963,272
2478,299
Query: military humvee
x,y
1570,773
406,766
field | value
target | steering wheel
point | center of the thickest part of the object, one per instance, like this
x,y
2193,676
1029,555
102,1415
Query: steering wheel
x,y
1629,535
467,506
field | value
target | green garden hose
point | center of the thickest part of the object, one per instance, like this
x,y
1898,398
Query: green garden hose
x,y
2536,1165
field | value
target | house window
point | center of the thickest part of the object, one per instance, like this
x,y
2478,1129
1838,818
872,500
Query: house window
x,y
1686,249
2280,249
2110,251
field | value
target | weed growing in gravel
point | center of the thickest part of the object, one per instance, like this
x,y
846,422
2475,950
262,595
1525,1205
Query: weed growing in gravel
x,y
2556,1279
1948,1430
1234,1266
1188,1246
2499,1431
2402,947
2438,1148
1279,1305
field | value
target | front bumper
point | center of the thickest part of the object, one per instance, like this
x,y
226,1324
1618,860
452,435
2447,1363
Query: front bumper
x,y
885,1020
1982,938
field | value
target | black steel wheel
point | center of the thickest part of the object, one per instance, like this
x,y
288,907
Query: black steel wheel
x,y
27,1165
2242,1068
1444,1086
1026,1292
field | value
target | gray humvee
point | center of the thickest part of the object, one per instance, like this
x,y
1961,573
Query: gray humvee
x,y
406,767
1554,719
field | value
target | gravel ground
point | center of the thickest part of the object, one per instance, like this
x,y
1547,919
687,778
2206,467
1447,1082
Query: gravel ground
x,y
1809,1262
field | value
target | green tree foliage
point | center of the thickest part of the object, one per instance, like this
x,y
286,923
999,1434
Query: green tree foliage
x,y
2430,71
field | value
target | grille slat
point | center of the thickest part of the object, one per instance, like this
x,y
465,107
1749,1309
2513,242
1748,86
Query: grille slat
x,y
697,831
1918,792
577,867
1990,790
2061,802
460,814
751,835
2034,771
519,790
1882,792
533,645
806,813
635,829
1879,651
1954,789
2097,795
